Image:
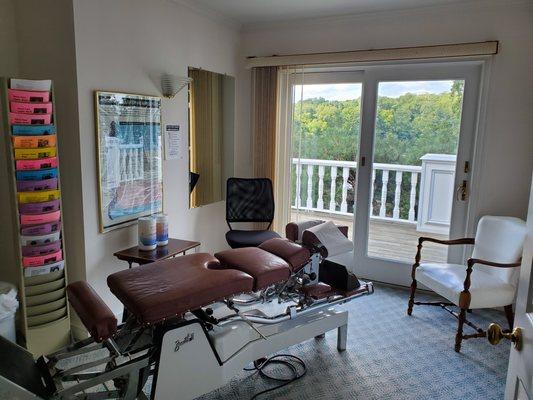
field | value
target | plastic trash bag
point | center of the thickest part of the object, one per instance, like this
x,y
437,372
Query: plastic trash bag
x,y
8,300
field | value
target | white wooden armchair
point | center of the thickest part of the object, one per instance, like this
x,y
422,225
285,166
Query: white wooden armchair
x,y
489,279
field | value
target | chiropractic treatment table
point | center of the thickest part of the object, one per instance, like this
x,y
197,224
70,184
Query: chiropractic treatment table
x,y
190,326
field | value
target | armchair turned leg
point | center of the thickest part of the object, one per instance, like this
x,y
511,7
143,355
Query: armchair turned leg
x,y
411,298
509,314
459,335
418,256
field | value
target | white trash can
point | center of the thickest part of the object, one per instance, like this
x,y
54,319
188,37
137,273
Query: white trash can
x,y
8,308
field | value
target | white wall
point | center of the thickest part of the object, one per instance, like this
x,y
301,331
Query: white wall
x,y
507,161
118,45
8,39
47,52
8,67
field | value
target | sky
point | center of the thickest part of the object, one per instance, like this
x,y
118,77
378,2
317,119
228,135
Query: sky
x,y
348,91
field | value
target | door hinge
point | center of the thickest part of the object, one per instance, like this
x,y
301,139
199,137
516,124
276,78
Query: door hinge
x,y
363,161
467,167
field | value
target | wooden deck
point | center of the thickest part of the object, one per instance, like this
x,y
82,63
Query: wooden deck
x,y
388,239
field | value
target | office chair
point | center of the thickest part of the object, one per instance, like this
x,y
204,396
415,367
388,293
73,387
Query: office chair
x,y
249,200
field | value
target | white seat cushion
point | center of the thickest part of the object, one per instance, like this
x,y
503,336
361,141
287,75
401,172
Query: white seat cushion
x,y
486,290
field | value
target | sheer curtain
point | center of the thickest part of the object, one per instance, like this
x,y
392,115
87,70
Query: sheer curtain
x,y
288,145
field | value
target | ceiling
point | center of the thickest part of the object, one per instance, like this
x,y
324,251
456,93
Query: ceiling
x,y
248,12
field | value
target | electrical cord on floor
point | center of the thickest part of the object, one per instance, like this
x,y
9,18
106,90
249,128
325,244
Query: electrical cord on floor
x,y
287,360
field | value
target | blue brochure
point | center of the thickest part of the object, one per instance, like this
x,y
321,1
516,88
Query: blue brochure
x,y
37,175
33,129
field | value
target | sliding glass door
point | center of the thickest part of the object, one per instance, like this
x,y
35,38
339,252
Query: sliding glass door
x,y
418,129
386,150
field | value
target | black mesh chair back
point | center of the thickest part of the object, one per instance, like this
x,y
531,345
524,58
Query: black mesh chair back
x,y
249,200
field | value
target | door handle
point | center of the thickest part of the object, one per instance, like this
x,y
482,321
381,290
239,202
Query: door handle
x,y
462,191
495,334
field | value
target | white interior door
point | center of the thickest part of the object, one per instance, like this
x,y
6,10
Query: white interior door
x,y
520,374
386,229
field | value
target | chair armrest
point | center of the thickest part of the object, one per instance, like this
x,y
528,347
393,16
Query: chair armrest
x,y
472,261
464,298
450,242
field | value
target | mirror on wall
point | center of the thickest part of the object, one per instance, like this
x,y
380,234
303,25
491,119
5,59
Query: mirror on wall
x,y
211,135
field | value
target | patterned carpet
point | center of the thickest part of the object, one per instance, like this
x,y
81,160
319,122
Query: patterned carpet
x,y
391,356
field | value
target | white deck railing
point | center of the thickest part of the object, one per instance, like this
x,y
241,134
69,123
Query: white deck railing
x,y
339,202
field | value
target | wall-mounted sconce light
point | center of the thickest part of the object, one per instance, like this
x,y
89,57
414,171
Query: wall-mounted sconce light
x,y
172,84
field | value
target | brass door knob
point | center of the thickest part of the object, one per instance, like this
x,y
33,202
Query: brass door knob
x,y
495,334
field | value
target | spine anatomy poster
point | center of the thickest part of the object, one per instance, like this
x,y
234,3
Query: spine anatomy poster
x,y
129,157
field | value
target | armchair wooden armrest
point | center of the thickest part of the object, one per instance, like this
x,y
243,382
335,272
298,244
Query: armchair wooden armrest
x,y
450,242
472,261
464,299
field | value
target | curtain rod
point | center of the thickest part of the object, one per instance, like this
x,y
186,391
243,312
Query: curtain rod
x,y
391,54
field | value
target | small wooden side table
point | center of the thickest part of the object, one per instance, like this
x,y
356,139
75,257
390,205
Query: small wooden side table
x,y
173,248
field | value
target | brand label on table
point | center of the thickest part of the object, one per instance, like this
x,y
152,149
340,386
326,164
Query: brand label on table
x,y
186,339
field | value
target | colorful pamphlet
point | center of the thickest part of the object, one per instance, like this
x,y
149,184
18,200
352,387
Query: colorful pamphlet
x,y
38,240
30,165
33,154
36,175
39,208
32,142
35,219
43,85
28,96
37,261
45,269
38,197
38,219
24,130
33,186
31,108
38,230
30,119
41,250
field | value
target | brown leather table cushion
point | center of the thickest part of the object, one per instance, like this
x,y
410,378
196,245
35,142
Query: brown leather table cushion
x,y
264,267
164,289
93,312
297,256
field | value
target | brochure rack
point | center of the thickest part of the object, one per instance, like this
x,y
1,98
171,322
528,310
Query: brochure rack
x,y
33,165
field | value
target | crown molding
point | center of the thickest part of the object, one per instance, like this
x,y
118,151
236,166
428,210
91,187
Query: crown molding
x,y
208,13
459,6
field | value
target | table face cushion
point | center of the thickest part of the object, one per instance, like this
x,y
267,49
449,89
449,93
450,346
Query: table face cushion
x,y
164,289
265,268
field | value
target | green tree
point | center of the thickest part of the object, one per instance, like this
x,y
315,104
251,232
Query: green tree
x,y
407,127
